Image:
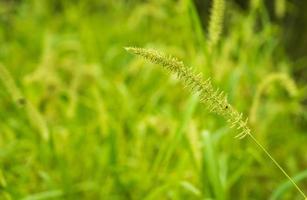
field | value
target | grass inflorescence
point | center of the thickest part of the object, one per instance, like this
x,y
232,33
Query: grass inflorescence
x,y
82,119
216,21
213,99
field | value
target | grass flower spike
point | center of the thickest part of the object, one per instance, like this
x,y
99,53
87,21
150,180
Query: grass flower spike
x,y
35,117
214,99
216,21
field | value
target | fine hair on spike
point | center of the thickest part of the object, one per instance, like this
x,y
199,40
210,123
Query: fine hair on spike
x,y
214,99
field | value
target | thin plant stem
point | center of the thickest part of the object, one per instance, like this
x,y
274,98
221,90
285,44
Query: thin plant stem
x,y
278,165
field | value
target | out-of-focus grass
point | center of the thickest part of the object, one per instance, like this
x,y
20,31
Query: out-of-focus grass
x,y
120,128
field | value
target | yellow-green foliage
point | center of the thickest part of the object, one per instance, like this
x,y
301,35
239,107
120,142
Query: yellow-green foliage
x,y
120,130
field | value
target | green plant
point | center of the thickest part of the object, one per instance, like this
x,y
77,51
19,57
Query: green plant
x,y
119,128
216,21
282,79
35,118
214,99
280,8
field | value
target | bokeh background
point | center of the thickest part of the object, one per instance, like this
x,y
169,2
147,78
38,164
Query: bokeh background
x,y
80,118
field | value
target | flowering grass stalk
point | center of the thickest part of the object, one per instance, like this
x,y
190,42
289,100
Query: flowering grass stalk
x,y
214,99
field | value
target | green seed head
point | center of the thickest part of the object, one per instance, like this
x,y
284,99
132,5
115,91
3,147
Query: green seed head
x,y
214,99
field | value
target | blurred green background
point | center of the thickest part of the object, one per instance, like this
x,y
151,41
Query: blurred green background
x,y
80,118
